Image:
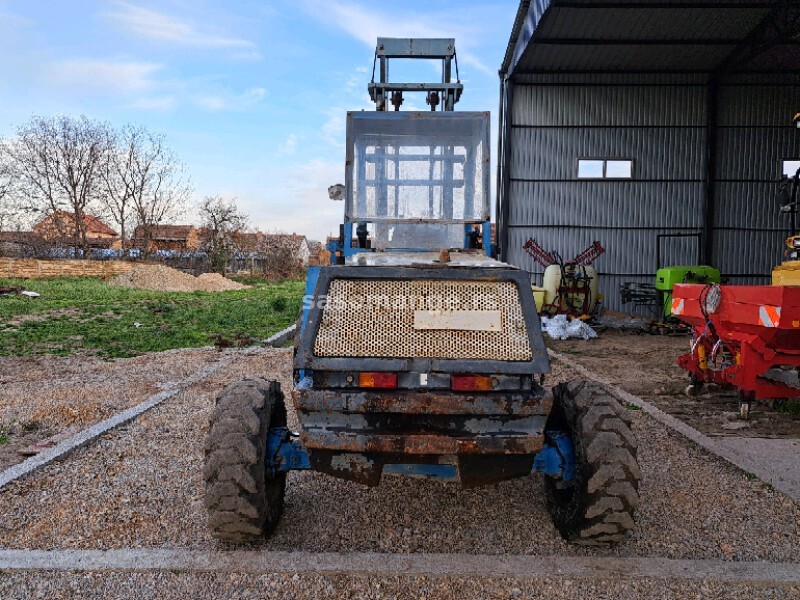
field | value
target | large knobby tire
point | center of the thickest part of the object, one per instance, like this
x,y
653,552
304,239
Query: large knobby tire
x,y
598,508
244,502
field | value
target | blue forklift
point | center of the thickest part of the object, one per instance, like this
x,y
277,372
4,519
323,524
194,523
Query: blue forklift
x,y
417,353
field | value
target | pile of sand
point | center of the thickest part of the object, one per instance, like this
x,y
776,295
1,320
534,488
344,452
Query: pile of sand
x,y
214,282
167,279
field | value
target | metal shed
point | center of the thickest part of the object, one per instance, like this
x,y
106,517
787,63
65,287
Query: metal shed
x,y
695,97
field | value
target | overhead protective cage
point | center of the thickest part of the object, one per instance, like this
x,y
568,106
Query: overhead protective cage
x,y
417,176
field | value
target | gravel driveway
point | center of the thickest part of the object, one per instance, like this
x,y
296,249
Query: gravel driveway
x,y
141,486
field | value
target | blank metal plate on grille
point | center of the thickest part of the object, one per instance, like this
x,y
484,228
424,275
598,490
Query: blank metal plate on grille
x,y
375,318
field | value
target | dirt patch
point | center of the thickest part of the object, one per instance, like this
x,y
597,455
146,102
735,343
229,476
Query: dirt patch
x,y
43,316
166,279
646,365
43,397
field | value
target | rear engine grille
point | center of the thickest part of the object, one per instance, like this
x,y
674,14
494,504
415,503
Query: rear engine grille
x,y
375,318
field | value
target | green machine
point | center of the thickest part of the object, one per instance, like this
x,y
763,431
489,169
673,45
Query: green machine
x,y
658,297
667,277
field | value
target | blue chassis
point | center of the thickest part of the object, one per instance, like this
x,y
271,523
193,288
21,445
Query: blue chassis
x,y
556,459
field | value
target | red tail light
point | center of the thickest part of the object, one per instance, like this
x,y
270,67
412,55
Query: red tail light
x,y
386,381
471,383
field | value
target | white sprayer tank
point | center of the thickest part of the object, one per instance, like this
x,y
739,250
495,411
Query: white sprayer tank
x,y
552,281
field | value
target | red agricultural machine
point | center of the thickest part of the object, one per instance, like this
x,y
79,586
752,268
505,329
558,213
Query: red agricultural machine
x,y
746,337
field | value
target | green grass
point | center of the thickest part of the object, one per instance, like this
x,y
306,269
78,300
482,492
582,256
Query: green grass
x,y
86,315
790,406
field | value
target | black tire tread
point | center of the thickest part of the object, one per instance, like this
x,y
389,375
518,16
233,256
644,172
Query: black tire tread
x,y
601,509
243,503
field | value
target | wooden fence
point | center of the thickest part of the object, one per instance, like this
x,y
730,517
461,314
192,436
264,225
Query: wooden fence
x,y
27,268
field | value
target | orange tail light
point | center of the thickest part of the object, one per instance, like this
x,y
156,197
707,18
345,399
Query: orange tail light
x,y
471,383
386,381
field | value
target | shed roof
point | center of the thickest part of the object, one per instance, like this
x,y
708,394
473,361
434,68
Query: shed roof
x,y
651,35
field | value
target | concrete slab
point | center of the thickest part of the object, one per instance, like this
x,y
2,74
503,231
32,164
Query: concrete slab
x,y
781,457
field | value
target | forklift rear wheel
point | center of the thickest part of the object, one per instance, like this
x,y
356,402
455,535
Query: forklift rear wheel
x,y
597,508
244,501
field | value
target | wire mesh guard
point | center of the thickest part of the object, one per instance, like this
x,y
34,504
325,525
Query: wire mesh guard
x,y
408,167
375,318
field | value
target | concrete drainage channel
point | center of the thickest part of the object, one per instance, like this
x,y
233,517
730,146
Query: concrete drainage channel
x,y
785,479
438,565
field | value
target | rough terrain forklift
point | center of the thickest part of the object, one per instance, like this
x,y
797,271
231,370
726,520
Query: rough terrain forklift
x,y
417,353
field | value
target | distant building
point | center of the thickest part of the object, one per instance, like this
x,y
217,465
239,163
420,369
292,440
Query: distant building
x,y
183,238
61,224
59,227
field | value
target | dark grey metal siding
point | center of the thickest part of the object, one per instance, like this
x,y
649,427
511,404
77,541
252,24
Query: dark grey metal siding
x,y
755,135
657,121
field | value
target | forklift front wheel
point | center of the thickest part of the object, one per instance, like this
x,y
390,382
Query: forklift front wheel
x,y
597,509
244,501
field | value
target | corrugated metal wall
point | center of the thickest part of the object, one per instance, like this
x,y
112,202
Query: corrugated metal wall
x,y
660,122
755,134
657,121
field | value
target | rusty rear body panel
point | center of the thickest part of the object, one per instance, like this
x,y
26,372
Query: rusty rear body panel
x,y
359,434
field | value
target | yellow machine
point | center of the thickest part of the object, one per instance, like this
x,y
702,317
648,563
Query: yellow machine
x,y
788,272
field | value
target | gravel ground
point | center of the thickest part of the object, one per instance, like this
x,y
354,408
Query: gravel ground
x,y
141,486
45,396
53,586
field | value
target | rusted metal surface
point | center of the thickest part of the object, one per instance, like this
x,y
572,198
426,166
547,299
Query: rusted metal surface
x,y
471,470
520,404
426,444
418,381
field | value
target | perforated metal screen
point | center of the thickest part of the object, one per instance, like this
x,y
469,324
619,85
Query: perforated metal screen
x,y
375,318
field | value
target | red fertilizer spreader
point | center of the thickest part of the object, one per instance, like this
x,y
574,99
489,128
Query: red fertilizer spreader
x,y
745,337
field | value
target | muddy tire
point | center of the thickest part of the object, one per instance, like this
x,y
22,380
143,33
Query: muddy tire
x,y
597,509
243,501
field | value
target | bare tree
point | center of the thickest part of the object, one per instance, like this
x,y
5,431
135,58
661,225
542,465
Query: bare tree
x,y
7,209
56,163
223,223
281,253
144,182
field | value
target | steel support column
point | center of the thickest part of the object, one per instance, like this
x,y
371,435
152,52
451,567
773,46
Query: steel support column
x,y
712,119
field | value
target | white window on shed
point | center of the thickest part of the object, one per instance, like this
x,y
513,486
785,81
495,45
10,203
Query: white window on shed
x,y
590,169
605,168
790,167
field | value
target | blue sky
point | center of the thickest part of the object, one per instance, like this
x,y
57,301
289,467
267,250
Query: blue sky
x,y
252,95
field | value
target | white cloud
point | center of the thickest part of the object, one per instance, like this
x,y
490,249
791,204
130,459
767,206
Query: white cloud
x,y
365,24
159,26
162,103
102,75
288,146
334,128
229,101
